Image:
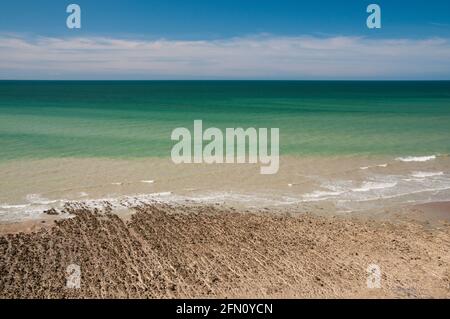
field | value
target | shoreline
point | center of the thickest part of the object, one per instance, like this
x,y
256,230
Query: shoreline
x,y
431,214
211,251
340,184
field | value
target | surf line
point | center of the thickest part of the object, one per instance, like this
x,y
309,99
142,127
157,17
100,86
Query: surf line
x,y
234,150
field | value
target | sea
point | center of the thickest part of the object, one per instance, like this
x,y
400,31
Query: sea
x,y
349,142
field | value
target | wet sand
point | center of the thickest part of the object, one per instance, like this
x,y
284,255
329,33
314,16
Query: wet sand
x,y
432,213
191,251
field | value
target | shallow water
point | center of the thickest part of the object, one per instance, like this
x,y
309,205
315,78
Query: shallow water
x,y
345,183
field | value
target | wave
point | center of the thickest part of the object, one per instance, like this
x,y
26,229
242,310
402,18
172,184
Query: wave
x,y
379,165
426,174
321,195
415,186
13,206
37,199
416,158
368,186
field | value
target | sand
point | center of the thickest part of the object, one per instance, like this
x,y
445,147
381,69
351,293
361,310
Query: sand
x,y
193,251
431,213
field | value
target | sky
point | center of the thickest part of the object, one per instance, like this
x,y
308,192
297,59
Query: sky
x,y
225,39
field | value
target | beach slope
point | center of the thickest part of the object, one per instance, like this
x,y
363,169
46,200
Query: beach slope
x,y
165,251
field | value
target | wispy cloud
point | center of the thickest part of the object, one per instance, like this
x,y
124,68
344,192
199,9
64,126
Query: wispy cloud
x,y
438,24
259,57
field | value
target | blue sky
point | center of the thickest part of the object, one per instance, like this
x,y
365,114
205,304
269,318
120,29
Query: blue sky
x,y
210,33
206,19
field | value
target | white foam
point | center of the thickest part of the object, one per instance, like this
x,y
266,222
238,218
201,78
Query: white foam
x,y
389,189
368,186
412,179
321,195
379,165
32,198
416,158
21,212
396,195
161,194
6,206
37,199
426,174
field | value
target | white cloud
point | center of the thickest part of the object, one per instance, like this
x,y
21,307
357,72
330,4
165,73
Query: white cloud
x,y
260,57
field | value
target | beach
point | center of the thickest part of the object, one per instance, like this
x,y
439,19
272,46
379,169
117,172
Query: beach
x,y
198,251
87,182
151,229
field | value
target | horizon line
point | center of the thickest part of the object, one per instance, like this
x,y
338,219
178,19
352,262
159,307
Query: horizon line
x,y
225,80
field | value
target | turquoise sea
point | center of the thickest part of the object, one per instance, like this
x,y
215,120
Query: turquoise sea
x,y
128,119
